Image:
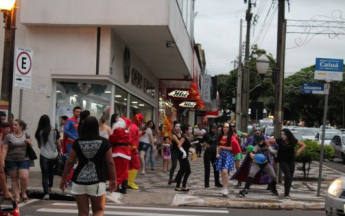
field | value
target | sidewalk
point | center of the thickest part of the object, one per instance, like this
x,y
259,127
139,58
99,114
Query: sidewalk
x,y
154,190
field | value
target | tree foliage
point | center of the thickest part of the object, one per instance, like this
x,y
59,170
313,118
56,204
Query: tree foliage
x,y
308,107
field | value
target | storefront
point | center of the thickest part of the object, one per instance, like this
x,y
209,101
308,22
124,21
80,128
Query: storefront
x,y
97,98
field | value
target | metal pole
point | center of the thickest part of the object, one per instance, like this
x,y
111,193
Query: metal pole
x,y
246,75
279,72
20,103
239,84
8,59
327,87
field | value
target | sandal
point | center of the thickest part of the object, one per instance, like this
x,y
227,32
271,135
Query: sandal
x,y
25,199
185,189
178,189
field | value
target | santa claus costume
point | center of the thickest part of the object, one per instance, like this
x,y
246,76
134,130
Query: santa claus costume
x,y
120,143
134,164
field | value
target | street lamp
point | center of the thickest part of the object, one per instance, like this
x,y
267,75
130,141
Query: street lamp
x,y
262,65
9,10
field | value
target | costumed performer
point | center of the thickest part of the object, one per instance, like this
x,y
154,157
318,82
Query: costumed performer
x,y
134,164
119,140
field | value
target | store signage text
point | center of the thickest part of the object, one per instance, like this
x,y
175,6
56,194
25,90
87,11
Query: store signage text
x,y
179,94
187,104
142,83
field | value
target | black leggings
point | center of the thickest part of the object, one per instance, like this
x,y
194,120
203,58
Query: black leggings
x,y
183,172
173,164
209,159
288,170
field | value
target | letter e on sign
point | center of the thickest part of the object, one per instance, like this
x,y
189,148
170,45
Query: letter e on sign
x,y
23,68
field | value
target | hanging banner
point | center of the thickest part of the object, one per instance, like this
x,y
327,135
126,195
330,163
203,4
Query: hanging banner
x,y
206,90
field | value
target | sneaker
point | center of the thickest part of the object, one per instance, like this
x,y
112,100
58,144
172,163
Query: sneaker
x,y
46,197
225,192
142,173
244,192
287,197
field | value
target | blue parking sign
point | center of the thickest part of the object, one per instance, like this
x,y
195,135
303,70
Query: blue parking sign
x,y
329,69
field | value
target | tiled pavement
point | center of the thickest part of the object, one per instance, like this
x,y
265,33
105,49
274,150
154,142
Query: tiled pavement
x,y
154,190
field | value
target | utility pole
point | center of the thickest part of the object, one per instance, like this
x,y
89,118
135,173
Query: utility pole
x,y
239,84
279,70
246,77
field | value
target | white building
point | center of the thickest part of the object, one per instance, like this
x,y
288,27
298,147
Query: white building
x,y
105,56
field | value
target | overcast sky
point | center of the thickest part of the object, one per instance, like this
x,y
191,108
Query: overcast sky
x,y
217,27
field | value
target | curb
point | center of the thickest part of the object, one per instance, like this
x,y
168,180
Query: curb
x,y
193,201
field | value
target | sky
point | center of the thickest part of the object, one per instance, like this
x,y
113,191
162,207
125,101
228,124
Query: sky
x,y
217,29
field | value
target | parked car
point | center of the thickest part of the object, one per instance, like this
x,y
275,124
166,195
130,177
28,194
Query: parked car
x,y
329,134
338,142
268,131
335,197
297,135
307,133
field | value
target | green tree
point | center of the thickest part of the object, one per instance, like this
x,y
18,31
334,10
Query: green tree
x,y
262,89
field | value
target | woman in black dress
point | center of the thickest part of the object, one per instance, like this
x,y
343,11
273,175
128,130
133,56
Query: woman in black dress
x,y
183,146
286,156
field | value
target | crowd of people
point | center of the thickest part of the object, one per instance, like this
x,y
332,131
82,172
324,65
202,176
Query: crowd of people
x,y
97,153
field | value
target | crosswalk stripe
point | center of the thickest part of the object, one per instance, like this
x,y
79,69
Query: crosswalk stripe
x,y
75,211
154,208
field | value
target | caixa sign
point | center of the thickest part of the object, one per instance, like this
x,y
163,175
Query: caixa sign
x,y
179,94
187,104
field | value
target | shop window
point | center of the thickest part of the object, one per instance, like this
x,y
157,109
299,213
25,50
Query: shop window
x,y
120,101
139,106
92,97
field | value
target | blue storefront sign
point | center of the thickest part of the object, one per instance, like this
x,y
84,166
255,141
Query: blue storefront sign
x,y
329,69
313,88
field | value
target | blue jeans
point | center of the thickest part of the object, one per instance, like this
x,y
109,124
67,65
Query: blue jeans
x,y
47,170
151,156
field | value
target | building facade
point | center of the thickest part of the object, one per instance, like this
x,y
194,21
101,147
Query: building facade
x,y
107,57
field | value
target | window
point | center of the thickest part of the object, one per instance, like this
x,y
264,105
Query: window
x,y
120,101
92,97
139,106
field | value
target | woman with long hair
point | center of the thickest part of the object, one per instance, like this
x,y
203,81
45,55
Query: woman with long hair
x,y
183,146
83,115
16,160
104,129
151,152
88,178
228,147
48,140
286,156
114,117
145,142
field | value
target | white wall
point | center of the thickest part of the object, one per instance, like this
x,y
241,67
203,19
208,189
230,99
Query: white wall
x,y
181,37
92,12
117,50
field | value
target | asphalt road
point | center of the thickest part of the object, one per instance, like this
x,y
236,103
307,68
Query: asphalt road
x,y
55,208
337,165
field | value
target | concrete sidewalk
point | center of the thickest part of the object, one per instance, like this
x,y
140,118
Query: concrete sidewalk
x,y
154,190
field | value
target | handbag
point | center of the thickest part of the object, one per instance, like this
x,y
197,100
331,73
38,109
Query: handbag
x,y
31,153
14,210
59,164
